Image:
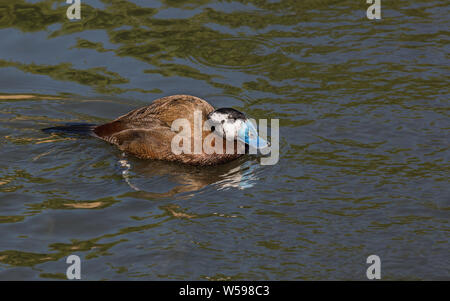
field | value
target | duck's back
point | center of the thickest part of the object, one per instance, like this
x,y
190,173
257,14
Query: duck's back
x,y
162,112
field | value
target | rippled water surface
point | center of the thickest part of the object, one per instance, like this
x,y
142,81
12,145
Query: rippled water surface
x,y
364,131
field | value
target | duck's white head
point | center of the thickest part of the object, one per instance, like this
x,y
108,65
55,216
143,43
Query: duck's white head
x,y
234,125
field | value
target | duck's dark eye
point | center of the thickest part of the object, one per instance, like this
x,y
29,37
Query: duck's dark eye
x,y
223,121
213,128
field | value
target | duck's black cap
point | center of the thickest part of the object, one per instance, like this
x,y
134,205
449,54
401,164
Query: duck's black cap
x,y
232,113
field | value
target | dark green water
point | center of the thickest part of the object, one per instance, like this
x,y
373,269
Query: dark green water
x,y
364,131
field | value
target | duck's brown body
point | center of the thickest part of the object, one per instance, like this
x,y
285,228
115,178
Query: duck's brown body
x,y
146,132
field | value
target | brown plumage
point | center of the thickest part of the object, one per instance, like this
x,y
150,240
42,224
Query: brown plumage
x,y
146,132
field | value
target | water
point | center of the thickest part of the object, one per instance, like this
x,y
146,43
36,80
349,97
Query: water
x,y
363,109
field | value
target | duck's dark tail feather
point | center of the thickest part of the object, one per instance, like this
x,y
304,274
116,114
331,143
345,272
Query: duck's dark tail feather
x,y
72,128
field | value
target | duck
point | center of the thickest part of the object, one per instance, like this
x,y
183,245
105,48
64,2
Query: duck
x,y
148,132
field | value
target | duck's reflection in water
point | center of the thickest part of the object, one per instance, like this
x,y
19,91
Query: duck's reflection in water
x,y
147,178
